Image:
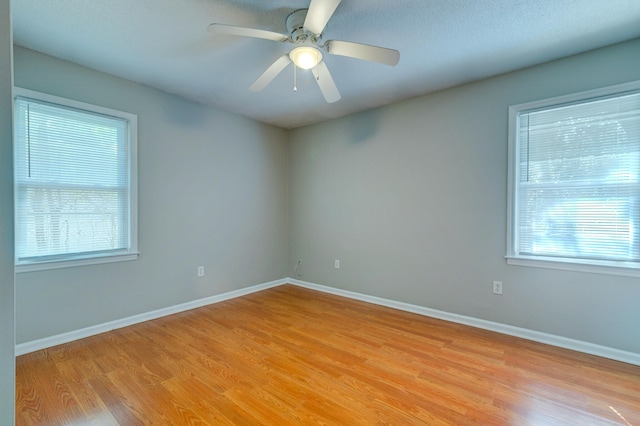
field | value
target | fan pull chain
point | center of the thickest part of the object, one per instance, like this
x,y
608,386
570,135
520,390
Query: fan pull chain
x,y
295,85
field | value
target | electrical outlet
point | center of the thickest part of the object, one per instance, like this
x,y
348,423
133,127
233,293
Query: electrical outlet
x,y
201,271
336,264
497,287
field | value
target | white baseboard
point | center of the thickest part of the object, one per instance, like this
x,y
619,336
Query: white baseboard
x,y
47,342
537,336
550,339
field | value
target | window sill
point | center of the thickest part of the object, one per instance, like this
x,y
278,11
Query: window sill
x,y
595,267
43,266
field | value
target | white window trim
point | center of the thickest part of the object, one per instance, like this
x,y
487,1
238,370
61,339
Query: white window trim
x,y
578,265
133,252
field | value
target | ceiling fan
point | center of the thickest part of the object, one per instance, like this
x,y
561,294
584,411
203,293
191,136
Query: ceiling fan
x,y
305,27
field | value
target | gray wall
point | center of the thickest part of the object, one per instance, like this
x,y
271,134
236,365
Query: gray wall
x,y
7,330
412,198
212,192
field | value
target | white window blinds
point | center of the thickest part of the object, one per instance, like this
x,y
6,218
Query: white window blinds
x,y
72,182
578,180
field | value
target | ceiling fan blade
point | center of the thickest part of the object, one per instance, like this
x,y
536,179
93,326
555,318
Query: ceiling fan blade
x,y
363,51
270,73
319,13
326,83
246,32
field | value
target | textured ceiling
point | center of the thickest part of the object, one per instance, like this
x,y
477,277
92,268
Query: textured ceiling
x,y
165,44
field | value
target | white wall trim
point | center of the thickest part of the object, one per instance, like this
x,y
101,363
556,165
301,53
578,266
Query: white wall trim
x,y
35,345
536,336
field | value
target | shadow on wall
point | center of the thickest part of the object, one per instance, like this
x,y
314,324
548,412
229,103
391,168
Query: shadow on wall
x,y
183,112
362,126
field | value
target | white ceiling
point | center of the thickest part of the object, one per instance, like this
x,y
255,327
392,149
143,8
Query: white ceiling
x,y
165,44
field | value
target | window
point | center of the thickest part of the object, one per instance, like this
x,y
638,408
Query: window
x,y
574,182
75,183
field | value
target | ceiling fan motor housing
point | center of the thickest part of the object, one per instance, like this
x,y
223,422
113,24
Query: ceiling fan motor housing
x,y
295,27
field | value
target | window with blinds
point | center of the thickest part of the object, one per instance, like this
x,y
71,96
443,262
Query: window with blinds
x,y
74,181
575,179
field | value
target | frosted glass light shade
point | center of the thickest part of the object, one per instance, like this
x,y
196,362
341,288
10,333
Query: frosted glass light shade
x,y
305,57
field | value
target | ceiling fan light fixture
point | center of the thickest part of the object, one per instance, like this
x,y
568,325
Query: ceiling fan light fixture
x,y
305,57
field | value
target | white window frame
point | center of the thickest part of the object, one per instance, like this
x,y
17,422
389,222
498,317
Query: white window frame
x,y
580,265
66,261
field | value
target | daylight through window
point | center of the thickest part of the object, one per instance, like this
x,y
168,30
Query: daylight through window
x,y
575,188
75,198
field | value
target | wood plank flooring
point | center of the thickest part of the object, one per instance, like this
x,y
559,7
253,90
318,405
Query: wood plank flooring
x,y
292,356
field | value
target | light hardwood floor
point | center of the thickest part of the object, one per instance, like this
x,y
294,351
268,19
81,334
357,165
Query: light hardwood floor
x,y
292,356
